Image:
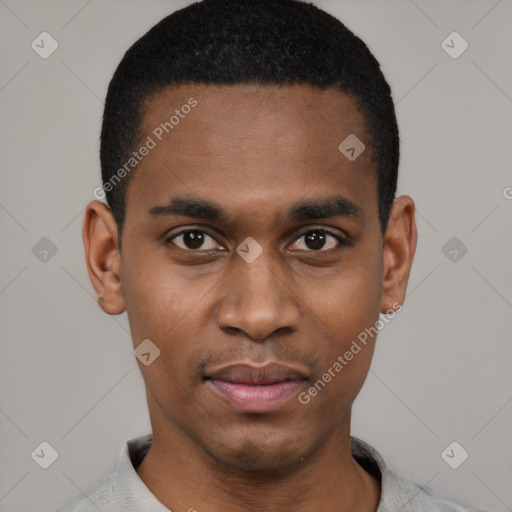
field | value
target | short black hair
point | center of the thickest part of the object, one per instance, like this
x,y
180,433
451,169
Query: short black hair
x,y
229,42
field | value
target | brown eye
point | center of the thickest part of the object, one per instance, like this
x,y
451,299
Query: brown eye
x,y
193,239
317,240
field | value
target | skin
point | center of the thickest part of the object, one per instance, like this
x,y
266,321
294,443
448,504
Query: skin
x,y
254,151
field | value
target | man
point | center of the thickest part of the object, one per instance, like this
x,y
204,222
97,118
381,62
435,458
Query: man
x,y
249,157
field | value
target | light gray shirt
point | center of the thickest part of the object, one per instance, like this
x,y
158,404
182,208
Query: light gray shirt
x,y
124,491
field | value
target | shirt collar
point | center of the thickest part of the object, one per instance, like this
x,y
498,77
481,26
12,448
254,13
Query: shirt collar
x,y
127,483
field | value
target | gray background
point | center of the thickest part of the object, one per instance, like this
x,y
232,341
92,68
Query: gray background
x,y
442,368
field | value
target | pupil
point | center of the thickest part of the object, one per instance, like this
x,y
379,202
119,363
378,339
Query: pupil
x,y
193,239
315,240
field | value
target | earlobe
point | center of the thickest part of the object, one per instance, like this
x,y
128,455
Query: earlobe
x,y
399,248
100,238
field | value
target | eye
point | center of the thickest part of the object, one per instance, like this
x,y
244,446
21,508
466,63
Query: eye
x,y
318,240
193,240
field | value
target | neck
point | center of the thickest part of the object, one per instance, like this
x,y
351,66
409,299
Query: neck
x,y
183,476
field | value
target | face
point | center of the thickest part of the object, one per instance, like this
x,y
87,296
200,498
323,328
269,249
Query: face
x,y
251,240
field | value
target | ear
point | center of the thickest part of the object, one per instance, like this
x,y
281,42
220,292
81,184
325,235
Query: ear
x,y
102,256
399,248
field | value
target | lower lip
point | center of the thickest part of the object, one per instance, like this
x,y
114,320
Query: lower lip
x,y
257,398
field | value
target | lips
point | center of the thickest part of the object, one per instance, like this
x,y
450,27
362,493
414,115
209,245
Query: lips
x,y
244,373
251,388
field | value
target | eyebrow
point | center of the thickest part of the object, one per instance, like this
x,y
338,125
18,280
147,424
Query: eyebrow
x,y
332,207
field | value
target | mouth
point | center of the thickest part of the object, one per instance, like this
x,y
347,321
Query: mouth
x,y
256,389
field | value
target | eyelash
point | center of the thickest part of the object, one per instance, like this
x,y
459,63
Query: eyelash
x,y
342,241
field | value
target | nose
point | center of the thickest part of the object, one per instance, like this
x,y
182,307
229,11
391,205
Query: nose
x,y
258,301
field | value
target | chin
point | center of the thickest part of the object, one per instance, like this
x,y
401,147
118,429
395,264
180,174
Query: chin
x,y
250,455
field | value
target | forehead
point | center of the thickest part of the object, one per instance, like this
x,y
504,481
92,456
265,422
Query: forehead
x,y
258,140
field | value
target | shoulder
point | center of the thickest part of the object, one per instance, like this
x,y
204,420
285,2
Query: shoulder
x,y
122,490
401,494
99,495
414,497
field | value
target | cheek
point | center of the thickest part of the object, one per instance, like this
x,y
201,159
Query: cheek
x,y
171,311
151,305
347,312
159,300
159,309
350,302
